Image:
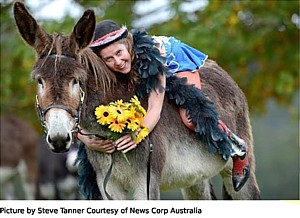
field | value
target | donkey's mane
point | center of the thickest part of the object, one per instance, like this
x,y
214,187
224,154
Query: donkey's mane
x,y
97,70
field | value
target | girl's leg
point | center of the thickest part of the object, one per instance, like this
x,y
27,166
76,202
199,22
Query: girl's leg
x,y
241,168
193,78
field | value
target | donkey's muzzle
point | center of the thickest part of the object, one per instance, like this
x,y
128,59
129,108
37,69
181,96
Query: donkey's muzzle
x,y
59,144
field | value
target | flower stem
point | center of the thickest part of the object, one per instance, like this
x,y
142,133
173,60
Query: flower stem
x,y
124,155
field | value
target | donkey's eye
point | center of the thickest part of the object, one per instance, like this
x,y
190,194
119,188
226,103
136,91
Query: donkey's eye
x,y
75,81
40,84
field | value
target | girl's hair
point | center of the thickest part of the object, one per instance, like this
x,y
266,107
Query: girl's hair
x,y
128,42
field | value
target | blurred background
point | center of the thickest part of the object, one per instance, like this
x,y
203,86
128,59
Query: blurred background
x,y
256,42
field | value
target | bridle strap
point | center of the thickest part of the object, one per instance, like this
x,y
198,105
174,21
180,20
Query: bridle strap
x,y
61,56
76,116
57,106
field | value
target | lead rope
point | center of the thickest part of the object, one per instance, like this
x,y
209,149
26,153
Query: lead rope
x,y
107,176
92,134
149,167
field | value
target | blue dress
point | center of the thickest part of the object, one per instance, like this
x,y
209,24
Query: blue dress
x,y
179,56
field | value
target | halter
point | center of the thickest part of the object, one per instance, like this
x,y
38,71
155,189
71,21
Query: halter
x,y
76,116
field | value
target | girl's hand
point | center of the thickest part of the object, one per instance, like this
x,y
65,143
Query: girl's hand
x,y
125,143
97,144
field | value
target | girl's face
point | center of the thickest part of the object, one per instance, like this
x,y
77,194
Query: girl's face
x,y
117,57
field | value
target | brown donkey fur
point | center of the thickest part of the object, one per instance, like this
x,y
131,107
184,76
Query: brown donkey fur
x,y
64,66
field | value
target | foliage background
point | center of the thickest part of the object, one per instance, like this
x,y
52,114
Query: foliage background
x,y
257,42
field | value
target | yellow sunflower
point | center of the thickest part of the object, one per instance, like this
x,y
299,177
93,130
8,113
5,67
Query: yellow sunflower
x,y
120,103
138,115
119,113
122,116
142,134
142,110
117,126
137,104
131,112
133,124
135,100
103,115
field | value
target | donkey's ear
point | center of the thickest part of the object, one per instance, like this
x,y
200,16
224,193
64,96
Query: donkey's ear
x,y
29,29
83,31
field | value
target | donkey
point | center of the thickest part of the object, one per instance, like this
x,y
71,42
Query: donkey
x,y
19,158
71,81
58,180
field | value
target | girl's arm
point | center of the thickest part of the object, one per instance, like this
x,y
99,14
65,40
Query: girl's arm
x,y
125,143
155,104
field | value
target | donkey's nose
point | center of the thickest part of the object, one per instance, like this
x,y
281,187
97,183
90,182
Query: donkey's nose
x,y
58,143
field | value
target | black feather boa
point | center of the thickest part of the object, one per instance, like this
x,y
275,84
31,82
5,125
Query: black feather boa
x,y
87,181
201,112
148,63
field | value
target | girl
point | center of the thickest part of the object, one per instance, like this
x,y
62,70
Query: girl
x,y
119,49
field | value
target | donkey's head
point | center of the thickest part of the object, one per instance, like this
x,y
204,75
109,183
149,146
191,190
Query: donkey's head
x,y
59,73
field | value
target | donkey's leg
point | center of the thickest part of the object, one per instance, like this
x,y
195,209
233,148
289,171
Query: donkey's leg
x,y
140,188
154,189
113,189
116,190
201,191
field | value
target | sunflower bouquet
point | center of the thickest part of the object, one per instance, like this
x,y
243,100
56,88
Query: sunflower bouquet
x,y
120,118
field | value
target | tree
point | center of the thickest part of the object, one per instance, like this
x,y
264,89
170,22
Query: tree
x,y
257,42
